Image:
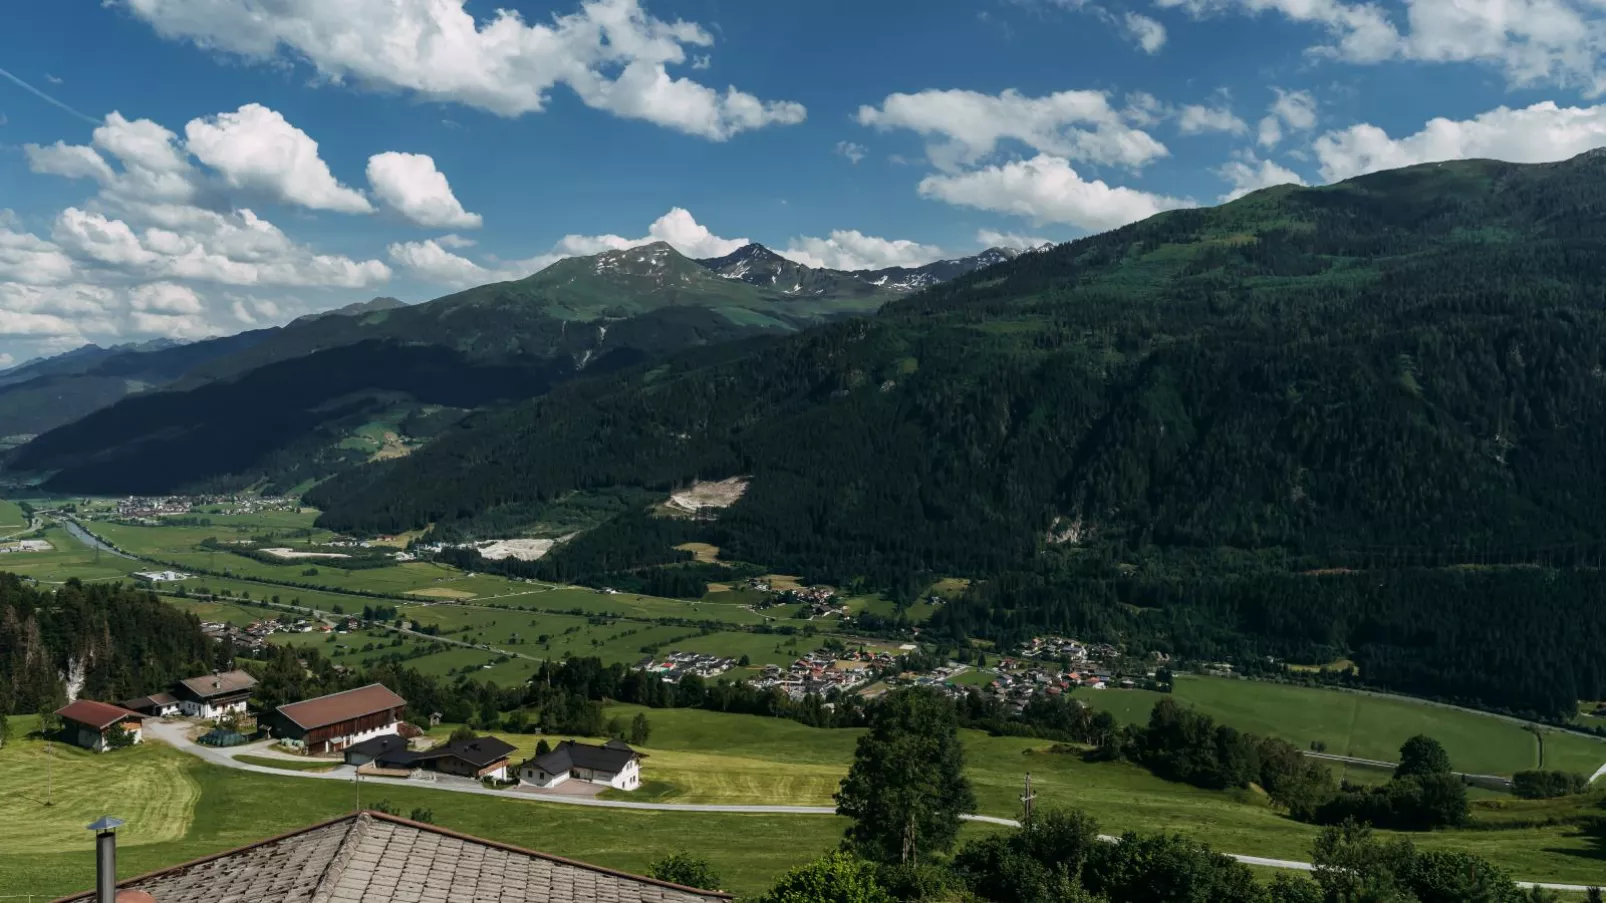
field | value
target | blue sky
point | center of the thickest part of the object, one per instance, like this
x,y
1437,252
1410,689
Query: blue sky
x,y
197,167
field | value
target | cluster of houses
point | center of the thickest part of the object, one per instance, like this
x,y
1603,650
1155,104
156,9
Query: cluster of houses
x,y
819,601
1064,649
676,665
364,725
255,635
137,507
821,671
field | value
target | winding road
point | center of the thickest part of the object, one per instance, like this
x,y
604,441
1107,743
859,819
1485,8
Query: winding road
x,y
176,734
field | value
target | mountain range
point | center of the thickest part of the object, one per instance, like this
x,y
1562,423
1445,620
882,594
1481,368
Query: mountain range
x,y
288,398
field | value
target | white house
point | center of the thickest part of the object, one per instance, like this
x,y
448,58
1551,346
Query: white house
x,y
215,694
614,764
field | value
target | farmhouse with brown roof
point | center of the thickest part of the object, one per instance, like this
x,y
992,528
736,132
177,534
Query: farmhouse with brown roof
x,y
88,723
374,858
333,722
213,695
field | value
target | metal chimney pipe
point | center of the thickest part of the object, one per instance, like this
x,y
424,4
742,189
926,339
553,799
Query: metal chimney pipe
x,y
106,858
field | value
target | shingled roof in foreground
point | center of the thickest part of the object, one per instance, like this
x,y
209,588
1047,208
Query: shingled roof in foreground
x,y
371,857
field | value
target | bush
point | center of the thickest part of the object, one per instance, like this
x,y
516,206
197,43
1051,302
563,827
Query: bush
x,y
685,869
1543,785
834,878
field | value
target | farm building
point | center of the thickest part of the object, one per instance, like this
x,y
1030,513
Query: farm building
x,y
481,757
215,694
613,763
88,723
157,704
379,858
332,723
375,748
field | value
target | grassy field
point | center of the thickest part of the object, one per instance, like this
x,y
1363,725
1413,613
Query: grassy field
x,y
286,764
11,515
699,756
1355,724
179,807
68,559
151,788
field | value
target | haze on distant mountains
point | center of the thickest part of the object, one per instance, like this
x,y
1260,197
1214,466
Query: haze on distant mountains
x,y
183,169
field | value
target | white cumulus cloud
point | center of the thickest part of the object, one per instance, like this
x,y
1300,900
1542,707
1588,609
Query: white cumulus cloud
x,y
1291,111
1046,189
964,127
1197,119
257,149
1541,133
412,186
989,238
1144,31
1557,42
613,54
850,249
1247,173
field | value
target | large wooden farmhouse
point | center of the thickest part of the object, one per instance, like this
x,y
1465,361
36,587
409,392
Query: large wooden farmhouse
x,y
332,723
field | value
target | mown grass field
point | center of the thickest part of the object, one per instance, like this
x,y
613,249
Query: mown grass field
x,y
1360,725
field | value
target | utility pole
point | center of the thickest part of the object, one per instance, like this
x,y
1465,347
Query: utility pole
x,y
356,783
1026,800
50,782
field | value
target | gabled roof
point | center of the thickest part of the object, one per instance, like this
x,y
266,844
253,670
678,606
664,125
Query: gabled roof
x,y
151,701
343,706
380,858
98,715
479,752
222,684
612,757
378,746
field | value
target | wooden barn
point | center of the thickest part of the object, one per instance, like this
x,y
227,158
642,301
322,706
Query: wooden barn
x,y
332,723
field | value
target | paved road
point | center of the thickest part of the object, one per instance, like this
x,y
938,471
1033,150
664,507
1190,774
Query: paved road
x,y
175,733
1484,779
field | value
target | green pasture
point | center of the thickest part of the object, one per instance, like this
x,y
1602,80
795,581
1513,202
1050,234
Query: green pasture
x,y
67,559
700,756
1361,725
11,515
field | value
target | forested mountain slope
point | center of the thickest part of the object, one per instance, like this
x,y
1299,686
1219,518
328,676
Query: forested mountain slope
x,y
278,408
118,641
1405,368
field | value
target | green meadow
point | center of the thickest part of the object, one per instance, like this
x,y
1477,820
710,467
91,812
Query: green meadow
x,y
1362,725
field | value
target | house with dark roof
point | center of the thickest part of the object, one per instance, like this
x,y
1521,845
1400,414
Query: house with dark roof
x,y
158,705
480,757
88,723
213,695
375,748
613,763
333,722
376,858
